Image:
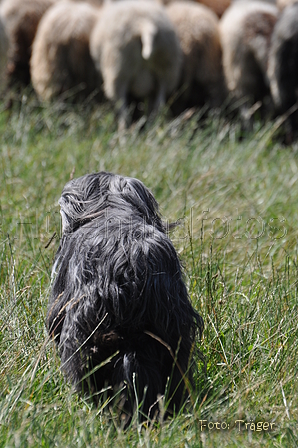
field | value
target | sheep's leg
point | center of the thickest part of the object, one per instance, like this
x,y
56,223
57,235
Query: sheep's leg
x,y
123,116
122,108
158,102
160,99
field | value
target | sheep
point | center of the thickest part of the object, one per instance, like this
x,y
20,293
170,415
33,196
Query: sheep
x,y
60,55
281,4
136,49
218,6
21,18
91,2
202,74
245,30
3,52
283,66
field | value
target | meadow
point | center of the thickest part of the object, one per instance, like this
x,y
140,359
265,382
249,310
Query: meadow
x,y
235,194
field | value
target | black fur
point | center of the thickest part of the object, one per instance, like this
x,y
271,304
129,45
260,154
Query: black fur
x,y
119,309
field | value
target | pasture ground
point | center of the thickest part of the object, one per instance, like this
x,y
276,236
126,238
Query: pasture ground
x,y
236,194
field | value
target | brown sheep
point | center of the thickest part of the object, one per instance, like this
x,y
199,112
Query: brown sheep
x,y
21,18
136,49
283,3
202,74
218,6
60,55
246,29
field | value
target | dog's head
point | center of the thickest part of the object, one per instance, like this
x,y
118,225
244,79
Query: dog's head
x,y
86,198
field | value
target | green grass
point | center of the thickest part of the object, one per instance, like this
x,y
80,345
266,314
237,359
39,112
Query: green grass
x,y
236,195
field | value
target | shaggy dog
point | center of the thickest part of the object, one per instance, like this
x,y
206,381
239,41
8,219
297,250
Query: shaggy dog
x,y
119,309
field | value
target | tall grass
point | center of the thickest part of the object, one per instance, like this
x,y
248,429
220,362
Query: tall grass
x,y
236,197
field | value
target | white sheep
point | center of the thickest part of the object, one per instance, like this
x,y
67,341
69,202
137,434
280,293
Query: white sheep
x,y
136,49
21,18
60,55
246,29
202,74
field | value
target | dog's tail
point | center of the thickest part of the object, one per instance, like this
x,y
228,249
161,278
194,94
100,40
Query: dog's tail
x,y
152,377
139,373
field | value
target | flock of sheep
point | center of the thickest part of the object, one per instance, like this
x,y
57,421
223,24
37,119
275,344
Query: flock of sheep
x,y
193,52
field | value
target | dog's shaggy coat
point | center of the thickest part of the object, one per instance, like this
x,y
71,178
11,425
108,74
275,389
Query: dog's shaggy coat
x,y
119,308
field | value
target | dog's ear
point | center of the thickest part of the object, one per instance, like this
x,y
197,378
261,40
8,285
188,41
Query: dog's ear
x,y
141,198
82,199
144,194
